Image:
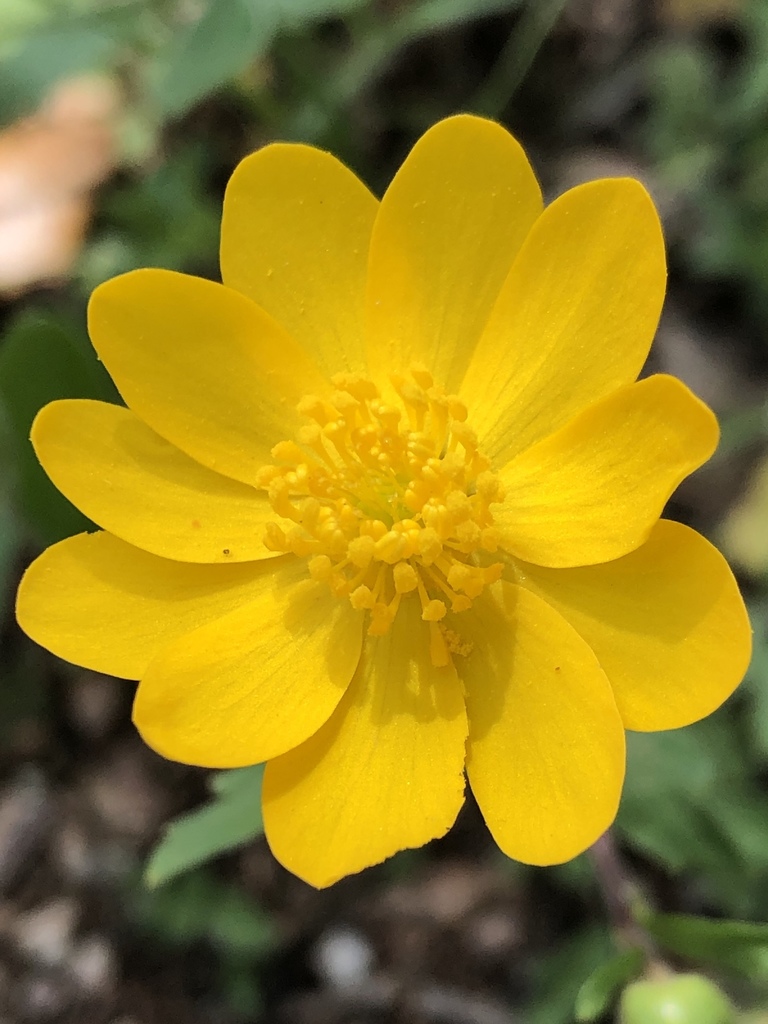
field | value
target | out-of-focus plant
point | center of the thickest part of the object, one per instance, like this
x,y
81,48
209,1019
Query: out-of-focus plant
x,y
705,133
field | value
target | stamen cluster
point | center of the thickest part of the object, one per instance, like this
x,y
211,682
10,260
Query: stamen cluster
x,y
387,501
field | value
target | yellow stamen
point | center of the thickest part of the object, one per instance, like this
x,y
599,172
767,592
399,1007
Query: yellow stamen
x,y
386,502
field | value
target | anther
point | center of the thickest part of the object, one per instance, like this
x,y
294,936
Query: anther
x,y
361,598
391,547
314,408
361,550
320,567
405,578
422,376
433,611
383,505
456,408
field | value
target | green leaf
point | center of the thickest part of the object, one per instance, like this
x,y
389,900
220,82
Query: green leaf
x,y
559,976
321,117
737,946
19,17
202,906
10,527
743,533
54,48
690,802
232,819
137,215
603,984
437,15
756,682
516,57
43,359
213,50
294,13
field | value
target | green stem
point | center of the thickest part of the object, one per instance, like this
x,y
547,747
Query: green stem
x,y
519,52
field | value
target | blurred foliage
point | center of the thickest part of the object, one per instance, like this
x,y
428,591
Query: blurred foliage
x,y
744,532
736,946
201,909
706,134
203,81
230,820
44,358
603,985
560,976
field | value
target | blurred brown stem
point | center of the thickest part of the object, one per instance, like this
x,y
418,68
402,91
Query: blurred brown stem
x,y
621,896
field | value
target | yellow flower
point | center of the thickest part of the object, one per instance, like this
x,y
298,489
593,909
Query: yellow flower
x,y
386,503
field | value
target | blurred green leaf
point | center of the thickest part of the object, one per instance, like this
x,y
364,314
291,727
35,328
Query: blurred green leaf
x,y
211,51
742,427
602,986
690,802
42,61
201,906
560,976
43,359
165,219
436,15
749,94
511,67
18,17
756,683
684,77
231,819
327,96
10,527
294,13
57,47
744,532
737,946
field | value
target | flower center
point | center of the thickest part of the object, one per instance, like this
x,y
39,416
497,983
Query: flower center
x,y
387,501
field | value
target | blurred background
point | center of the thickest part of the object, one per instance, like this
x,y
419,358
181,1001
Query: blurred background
x,y
121,121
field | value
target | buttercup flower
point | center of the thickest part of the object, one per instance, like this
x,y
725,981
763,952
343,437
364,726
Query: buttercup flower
x,y
385,504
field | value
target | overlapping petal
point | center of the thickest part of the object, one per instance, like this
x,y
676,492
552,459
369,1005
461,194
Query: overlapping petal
x,y
593,490
101,603
541,323
666,622
257,681
545,757
143,489
446,234
386,771
202,365
294,238
574,319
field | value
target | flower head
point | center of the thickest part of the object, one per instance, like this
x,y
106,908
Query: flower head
x,y
384,505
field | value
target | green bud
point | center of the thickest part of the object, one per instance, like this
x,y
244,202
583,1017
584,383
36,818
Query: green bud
x,y
678,999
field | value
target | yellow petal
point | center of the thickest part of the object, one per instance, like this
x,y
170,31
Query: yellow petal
x,y
445,237
255,682
294,238
384,774
574,319
103,604
546,745
592,491
132,482
202,365
666,622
